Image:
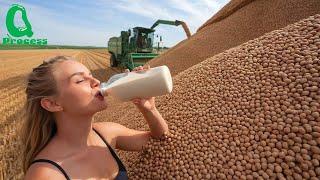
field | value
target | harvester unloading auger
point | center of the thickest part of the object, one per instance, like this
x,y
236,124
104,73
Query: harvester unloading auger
x,y
175,23
135,49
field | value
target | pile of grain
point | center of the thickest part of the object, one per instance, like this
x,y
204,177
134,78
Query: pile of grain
x,y
250,112
227,10
246,23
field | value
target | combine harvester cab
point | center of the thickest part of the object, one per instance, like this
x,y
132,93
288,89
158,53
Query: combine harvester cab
x,y
135,49
141,47
131,50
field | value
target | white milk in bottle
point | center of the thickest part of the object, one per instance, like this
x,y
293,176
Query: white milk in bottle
x,y
155,81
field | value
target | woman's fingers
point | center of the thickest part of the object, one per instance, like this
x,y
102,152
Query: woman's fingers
x,y
126,70
136,68
141,68
146,67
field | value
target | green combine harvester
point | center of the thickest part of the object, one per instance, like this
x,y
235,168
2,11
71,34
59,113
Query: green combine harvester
x,y
134,48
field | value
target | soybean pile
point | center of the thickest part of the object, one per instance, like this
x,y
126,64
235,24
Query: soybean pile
x,y
250,112
234,25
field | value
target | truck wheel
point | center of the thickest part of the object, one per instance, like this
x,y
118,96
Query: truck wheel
x,y
113,61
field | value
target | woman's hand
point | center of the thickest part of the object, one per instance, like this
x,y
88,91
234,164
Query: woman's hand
x,y
143,104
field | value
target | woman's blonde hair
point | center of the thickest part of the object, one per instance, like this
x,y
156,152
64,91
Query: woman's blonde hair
x,y
39,125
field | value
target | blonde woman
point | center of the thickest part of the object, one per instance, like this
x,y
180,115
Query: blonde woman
x,y
61,140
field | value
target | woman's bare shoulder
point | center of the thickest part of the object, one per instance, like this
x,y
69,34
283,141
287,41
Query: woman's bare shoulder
x,y
105,125
107,130
42,170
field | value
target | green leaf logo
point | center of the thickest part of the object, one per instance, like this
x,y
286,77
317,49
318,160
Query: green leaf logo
x,y
18,31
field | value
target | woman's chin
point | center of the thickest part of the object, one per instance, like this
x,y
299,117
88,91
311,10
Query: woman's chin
x,y
97,105
102,106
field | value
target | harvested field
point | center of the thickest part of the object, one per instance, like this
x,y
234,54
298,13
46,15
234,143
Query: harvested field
x,y
251,112
249,22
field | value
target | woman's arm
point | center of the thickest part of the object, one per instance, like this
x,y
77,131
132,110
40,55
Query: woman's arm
x,y
133,140
158,126
127,139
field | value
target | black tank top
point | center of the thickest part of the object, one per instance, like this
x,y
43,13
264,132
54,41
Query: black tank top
x,y
122,175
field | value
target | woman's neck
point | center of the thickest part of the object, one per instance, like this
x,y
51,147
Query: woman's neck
x,y
74,131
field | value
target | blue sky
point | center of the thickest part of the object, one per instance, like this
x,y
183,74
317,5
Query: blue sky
x,y
83,22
